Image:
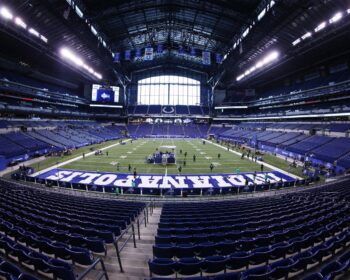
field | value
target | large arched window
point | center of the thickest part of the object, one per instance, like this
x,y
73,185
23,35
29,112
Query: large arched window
x,y
168,90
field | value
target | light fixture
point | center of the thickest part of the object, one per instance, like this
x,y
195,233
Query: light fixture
x,y
306,35
5,13
348,11
20,22
266,60
336,17
321,26
34,32
66,53
43,38
71,56
296,42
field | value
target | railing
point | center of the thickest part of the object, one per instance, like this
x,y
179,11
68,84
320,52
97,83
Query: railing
x,y
92,267
138,221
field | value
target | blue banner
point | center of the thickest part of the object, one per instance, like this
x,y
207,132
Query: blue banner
x,y
138,53
117,57
127,55
206,59
181,50
164,182
193,52
218,58
148,54
160,49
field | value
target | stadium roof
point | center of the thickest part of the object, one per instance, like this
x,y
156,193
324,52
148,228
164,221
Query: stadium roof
x,y
242,31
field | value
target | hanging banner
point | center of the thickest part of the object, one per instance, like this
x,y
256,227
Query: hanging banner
x,y
127,55
159,48
193,52
148,54
218,57
117,57
206,58
138,53
181,50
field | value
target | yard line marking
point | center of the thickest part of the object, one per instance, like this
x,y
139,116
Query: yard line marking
x,y
74,159
259,162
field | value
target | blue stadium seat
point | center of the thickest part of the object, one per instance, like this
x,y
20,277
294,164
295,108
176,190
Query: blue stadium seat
x,y
162,267
189,266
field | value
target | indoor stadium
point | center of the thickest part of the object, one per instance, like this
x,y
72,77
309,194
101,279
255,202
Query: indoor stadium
x,y
160,139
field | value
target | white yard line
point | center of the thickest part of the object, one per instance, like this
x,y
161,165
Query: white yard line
x,y
259,162
74,159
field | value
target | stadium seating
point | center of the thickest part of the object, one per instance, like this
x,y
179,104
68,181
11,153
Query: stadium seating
x,y
50,232
42,137
141,110
168,130
269,238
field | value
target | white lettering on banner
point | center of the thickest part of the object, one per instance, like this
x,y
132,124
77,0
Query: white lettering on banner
x,y
166,182
258,179
200,181
169,182
150,181
236,180
71,177
221,181
89,177
105,180
276,178
124,182
59,175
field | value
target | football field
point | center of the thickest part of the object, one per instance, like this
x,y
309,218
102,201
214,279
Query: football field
x,y
120,156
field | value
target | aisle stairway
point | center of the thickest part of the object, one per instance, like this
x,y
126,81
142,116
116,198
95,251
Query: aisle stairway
x,y
134,260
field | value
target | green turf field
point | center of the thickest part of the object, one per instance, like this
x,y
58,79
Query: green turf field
x,y
135,154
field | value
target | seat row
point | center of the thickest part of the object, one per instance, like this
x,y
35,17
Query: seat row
x,y
287,228
246,220
258,214
71,202
10,271
47,225
277,269
37,215
48,210
36,261
272,223
285,242
39,239
332,270
206,209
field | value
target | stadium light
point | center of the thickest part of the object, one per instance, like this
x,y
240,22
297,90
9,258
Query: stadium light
x,y
296,42
20,22
66,53
5,13
306,35
348,11
262,14
34,32
97,75
43,38
271,57
321,26
338,16
71,56
266,60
